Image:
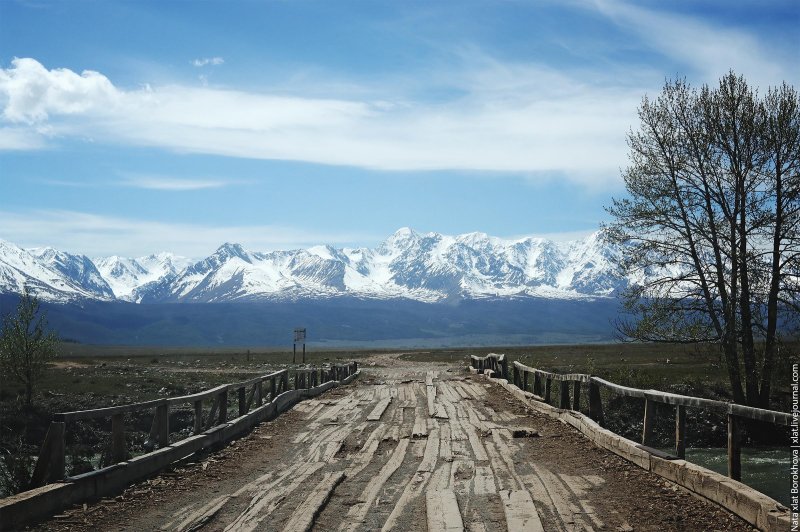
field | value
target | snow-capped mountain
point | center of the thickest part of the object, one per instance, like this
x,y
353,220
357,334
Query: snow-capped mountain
x,y
426,267
126,275
52,275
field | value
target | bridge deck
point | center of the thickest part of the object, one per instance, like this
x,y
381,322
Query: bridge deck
x,y
407,447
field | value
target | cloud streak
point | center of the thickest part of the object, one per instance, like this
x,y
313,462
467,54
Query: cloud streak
x,y
174,184
100,235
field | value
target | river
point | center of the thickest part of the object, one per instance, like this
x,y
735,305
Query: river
x,y
764,469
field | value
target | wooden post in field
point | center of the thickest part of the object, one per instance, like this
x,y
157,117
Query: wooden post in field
x,y
649,421
734,449
118,450
576,396
548,385
595,403
198,416
680,431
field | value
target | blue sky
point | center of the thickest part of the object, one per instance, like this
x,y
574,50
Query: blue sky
x,y
135,127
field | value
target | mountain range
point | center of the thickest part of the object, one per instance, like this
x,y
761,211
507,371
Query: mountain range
x,y
429,268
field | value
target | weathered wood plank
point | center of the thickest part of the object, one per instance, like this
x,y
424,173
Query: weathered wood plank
x,y
442,511
304,516
520,511
379,409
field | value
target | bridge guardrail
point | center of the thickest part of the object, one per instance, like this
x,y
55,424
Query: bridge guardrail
x,y
539,382
51,462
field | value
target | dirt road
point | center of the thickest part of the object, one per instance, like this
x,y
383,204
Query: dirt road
x,y
408,446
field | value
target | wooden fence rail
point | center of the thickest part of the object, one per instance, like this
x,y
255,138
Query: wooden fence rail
x,y
539,383
51,463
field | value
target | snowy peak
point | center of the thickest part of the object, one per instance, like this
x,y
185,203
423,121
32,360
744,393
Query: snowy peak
x,y
127,275
425,267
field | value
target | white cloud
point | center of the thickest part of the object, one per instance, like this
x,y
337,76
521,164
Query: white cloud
x,y
214,61
516,118
99,235
32,93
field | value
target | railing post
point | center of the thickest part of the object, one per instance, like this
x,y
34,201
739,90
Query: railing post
x,y
272,388
680,431
548,384
259,393
118,450
223,407
242,401
198,416
564,399
537,384
649,421
50,466
525,379
576,396
296,380
734,449
595,403
162,425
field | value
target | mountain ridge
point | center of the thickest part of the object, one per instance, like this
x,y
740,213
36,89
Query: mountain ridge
x,y
427,267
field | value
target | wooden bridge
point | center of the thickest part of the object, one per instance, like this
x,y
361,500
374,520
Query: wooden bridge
x,y
422,446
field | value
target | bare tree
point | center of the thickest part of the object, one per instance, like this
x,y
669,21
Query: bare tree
x,y
26,344
710,224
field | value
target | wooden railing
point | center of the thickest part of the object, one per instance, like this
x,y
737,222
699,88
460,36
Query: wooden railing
x,y
539,383
51,466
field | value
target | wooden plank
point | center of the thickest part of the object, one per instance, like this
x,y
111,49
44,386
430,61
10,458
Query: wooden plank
x,y
414,488
441,507
379,409
304,515
520,511
358,512
430,392
483,483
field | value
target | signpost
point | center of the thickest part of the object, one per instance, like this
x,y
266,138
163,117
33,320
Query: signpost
x,y
299,338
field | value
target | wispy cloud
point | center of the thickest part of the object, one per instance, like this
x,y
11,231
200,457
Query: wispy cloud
x,y
20,139
100,235
709,49
148,182
173,184
214,61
